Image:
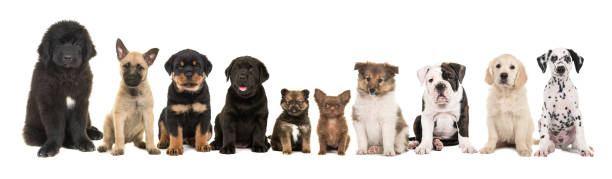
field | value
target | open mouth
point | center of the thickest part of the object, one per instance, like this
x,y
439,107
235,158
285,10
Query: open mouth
x,y
242,88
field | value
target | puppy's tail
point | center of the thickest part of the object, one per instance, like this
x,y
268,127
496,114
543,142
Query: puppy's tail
x,y
536,141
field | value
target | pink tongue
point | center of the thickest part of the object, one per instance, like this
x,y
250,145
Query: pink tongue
x,y
243,88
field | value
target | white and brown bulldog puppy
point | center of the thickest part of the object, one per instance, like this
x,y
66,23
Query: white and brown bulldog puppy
x,y
445,119
377,117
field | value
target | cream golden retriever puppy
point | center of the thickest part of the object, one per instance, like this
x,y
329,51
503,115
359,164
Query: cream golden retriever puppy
x,y
508,119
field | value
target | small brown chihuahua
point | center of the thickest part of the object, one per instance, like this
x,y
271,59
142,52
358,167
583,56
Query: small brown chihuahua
x,y
332,128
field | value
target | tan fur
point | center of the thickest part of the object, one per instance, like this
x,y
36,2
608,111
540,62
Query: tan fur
x,y
181,79
131,115
509,120
176,144
164,138
201,140
375,72
199,107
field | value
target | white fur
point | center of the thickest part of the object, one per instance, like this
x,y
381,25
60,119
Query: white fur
x,y
294,132
70,102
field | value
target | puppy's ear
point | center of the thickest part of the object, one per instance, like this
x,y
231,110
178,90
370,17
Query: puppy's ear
x,y
89,50
284,92
263,72
170,64
391,70
360,66
228,70
542,60
422,73
207,65
459,70
121,50
578,60
345,96
319,95
521,76
150,56
306,93
44,50
489,73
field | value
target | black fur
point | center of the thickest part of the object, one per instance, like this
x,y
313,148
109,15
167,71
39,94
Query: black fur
x,y
243,120
62,71
578,60
295,115
188,121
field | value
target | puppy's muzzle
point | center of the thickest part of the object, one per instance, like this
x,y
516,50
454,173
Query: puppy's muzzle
x,y
67,59
560,70
503,78
440,88
132,80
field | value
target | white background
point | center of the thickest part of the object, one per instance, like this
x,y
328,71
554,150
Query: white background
x,y
307,45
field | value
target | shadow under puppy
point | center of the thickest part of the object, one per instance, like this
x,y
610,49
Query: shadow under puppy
x,y
332,127
292,128
377,118
133,111
243,120
58,104
186,118
509,121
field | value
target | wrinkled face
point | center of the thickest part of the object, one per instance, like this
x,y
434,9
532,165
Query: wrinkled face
x,y
504,71
294,102
332,106
67,54
376,79
246,75
442,82
188,69
560,61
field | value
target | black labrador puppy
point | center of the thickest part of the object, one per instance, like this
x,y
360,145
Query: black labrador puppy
x,y
57,110
243,120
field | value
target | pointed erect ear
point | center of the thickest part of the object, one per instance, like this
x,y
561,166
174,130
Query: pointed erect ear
x,y
207,65
319,95
121,50
228,70
543,60
391,70
459,69
422,73
578,60
489,72
306,93
284,92
150,56
169,64
345,96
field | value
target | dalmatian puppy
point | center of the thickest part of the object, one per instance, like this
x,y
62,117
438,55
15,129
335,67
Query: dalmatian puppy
x,y
445,118
561,122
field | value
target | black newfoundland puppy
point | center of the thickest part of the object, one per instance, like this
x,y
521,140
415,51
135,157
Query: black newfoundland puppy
x,y
57,112
243,120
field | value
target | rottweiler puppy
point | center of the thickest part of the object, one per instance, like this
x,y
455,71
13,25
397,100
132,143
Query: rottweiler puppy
x,y
243,120
186,118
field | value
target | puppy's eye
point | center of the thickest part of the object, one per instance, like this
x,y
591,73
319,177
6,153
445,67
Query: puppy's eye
x,y
127,65
368,78
380,80
139,67
512,67
431,80
182,64
195,63
498,66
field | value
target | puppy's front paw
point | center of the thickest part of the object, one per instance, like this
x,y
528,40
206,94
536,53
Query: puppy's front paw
x,y
163,145
228,150
341,153
203,148
259,149
467,148
438,145
412,144
322,152
389,153
423,149
286,151
153,151
48,150
373,150
117,151
215,145
541,153
545,148
102,149
93,133
306,151
488,150
524,152
587,152
85,146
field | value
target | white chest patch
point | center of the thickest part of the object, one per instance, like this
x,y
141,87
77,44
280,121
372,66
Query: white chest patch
x,y
294,132
445,126
70,102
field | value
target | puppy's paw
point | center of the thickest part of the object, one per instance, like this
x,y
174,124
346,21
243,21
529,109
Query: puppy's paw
x,y
85,146
423,149
524,152
203,148
215,145
286,152
163,145
438,145
541,153
259,149
153,151
140,144
489,150
102,149
117,151
467,148
374,150
306,151
228,150
175,151
322,152
93,133
389,153
412,144
48,150
341,153
587,152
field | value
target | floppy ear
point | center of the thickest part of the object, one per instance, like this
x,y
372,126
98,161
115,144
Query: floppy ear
x,y
169,64
391,70
459,69
422,73
207,65
284,92
345,96
44,50
150,56
578,60
543,59
521,76
319,95
228,70
121,50
89,50
306,93
489,73
360,66
263,72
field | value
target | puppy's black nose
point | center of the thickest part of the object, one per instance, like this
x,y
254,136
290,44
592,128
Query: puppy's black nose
x,y
189,75
440,87
67,58
503,75
372,90
560,70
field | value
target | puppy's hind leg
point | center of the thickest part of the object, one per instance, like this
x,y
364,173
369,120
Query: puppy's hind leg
x,y
109,138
